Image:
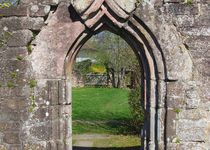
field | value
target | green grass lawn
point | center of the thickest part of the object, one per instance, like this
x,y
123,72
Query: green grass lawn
x,y
103,111
106,104
100,110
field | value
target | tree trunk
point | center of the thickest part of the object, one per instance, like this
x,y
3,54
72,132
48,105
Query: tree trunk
x,y
113,81
118,80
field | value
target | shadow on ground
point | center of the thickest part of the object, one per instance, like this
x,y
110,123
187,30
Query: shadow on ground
x,y
118,126
108,148
125,127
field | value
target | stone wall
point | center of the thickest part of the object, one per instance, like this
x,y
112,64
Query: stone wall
x,y
187,60
35,108
89,80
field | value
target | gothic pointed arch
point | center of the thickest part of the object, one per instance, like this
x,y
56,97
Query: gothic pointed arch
x,y
112,15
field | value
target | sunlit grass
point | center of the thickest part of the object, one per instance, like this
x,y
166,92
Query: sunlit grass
x,y
92,104
103,111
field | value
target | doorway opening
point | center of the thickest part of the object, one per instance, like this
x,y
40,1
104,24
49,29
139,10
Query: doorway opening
x,y
108,107
148,52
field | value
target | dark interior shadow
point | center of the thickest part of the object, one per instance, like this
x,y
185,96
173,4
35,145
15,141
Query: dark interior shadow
x,y
107,148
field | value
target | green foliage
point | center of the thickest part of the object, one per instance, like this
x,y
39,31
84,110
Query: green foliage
x,y
29,48
32,97
13,74
177,140
32,83
136,108
10,84
20,58
189,2
32,107
8,3
98,68
33,104
177,110
114,53
83,67
5,4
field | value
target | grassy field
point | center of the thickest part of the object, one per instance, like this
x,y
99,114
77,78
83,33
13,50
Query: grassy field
x,y
103,111
101,104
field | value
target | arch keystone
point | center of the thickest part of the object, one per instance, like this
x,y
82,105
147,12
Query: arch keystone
x,y
127,5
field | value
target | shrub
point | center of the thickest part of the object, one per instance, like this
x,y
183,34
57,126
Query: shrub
x,y
98,68
137,109
189,2
82,67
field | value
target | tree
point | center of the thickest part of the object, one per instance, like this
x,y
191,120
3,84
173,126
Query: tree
x,y
82,68
117,56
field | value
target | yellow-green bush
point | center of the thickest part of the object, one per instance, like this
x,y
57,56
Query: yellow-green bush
x,y
97,68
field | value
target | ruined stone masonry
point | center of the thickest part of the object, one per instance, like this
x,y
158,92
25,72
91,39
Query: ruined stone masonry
x,y
170,39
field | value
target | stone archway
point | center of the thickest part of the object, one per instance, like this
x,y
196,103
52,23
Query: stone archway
x,y
166,37
108,15
70,27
